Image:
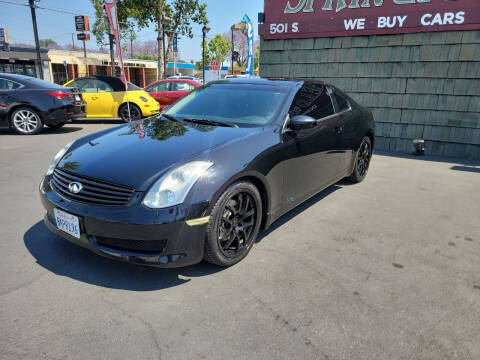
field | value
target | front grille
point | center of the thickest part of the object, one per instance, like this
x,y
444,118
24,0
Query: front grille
x,y
138,246
94,191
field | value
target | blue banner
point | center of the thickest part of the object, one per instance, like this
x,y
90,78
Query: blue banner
x,y
250,49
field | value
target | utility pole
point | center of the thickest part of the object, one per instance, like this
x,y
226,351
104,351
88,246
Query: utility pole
x,y
205,30
73,42
35,33
233,48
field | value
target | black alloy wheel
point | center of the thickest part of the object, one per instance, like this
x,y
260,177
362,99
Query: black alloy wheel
x,y
234,224
362,160
134,115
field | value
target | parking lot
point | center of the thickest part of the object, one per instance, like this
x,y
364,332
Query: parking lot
x,y
386,269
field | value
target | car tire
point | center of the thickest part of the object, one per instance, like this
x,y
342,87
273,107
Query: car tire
x,y
362,161
234,224
135,113
26,121
57,126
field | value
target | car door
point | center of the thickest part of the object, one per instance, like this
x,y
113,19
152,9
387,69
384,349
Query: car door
x,y
349,124
313,154
160,92
7,89
98,96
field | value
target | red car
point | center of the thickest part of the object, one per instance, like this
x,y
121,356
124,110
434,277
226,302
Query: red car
x,y
168,91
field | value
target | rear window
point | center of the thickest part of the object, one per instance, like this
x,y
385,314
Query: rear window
x,y
37,83
8,85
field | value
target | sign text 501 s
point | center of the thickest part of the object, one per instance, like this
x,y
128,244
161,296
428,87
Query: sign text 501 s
x,y
283,28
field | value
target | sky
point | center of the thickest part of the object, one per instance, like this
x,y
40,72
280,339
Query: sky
x,y
222,14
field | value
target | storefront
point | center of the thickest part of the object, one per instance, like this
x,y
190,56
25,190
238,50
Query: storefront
x,y
22,61
416,63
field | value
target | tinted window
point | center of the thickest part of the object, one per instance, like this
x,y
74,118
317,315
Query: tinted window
x,y
91,86
242,104
180,86
37,83
8,85
312,100
158,87
342,103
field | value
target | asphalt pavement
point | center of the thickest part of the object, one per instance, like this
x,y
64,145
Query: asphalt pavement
x,y
386,269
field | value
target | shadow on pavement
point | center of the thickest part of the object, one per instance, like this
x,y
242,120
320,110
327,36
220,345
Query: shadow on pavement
x,y
302,207
45,131
66,259
466,168
98,121
443,159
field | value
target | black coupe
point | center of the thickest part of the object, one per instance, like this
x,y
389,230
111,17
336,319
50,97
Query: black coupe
x,y
28,103
201,180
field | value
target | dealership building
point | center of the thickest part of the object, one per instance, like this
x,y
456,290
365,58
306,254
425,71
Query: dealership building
x,y
415,63
59,66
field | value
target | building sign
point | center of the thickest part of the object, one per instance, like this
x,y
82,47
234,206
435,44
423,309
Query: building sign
x,y
329,18
82,23
83,36
4,38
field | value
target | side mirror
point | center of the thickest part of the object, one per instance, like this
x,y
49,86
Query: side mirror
x,y
299,122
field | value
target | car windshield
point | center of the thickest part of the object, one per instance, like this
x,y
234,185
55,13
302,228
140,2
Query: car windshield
x,y
240,104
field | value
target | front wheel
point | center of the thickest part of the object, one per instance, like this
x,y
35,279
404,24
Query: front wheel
x,y
26,121
362,161
234,224
134,115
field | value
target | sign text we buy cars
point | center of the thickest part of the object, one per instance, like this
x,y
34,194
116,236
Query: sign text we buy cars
x,y
330,18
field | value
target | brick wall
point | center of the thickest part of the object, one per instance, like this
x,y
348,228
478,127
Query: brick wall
x,y
424,85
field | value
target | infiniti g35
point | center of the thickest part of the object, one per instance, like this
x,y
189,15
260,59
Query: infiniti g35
x,y
203,179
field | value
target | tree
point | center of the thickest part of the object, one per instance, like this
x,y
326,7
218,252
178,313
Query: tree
x,y
144,13
218,48
256,59
47,43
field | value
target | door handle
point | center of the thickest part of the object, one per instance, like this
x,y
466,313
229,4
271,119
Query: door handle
x,y
94,97
338,129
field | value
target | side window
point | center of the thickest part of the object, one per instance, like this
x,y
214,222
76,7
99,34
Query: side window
x,y
102,86
341,103
312,100
180,86
8,85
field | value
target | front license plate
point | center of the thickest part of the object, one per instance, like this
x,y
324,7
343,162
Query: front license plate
x,y
67,223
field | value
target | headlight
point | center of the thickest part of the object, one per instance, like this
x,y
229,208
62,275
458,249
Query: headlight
x,y
144,99
57,158
173,187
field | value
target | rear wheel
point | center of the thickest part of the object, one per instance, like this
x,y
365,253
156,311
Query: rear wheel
x,y
135,113
26,121
234,224
362,161
57,126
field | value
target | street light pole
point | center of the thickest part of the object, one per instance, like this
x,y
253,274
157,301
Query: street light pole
x,y
35,33
205,30
233,48
165,22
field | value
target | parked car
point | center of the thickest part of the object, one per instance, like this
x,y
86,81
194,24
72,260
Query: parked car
x,y
106,98
28,103
166,92
202,179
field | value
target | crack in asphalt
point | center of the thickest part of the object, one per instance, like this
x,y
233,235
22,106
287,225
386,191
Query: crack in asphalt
x,y
149,327
23,285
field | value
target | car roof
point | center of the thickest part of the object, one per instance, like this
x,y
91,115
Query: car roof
x,y
15,76
283,82
113,81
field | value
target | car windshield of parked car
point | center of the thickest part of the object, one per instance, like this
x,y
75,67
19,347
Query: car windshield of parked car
x,y
240,104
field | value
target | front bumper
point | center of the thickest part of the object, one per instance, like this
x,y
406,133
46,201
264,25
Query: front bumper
x,y
132,233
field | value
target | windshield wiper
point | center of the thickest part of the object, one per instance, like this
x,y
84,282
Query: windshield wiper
x,y
210,122
170,117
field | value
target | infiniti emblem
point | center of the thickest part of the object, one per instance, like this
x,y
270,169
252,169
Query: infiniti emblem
x,y
75,187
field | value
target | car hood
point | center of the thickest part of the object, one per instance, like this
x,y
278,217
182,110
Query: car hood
x,y
136,154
